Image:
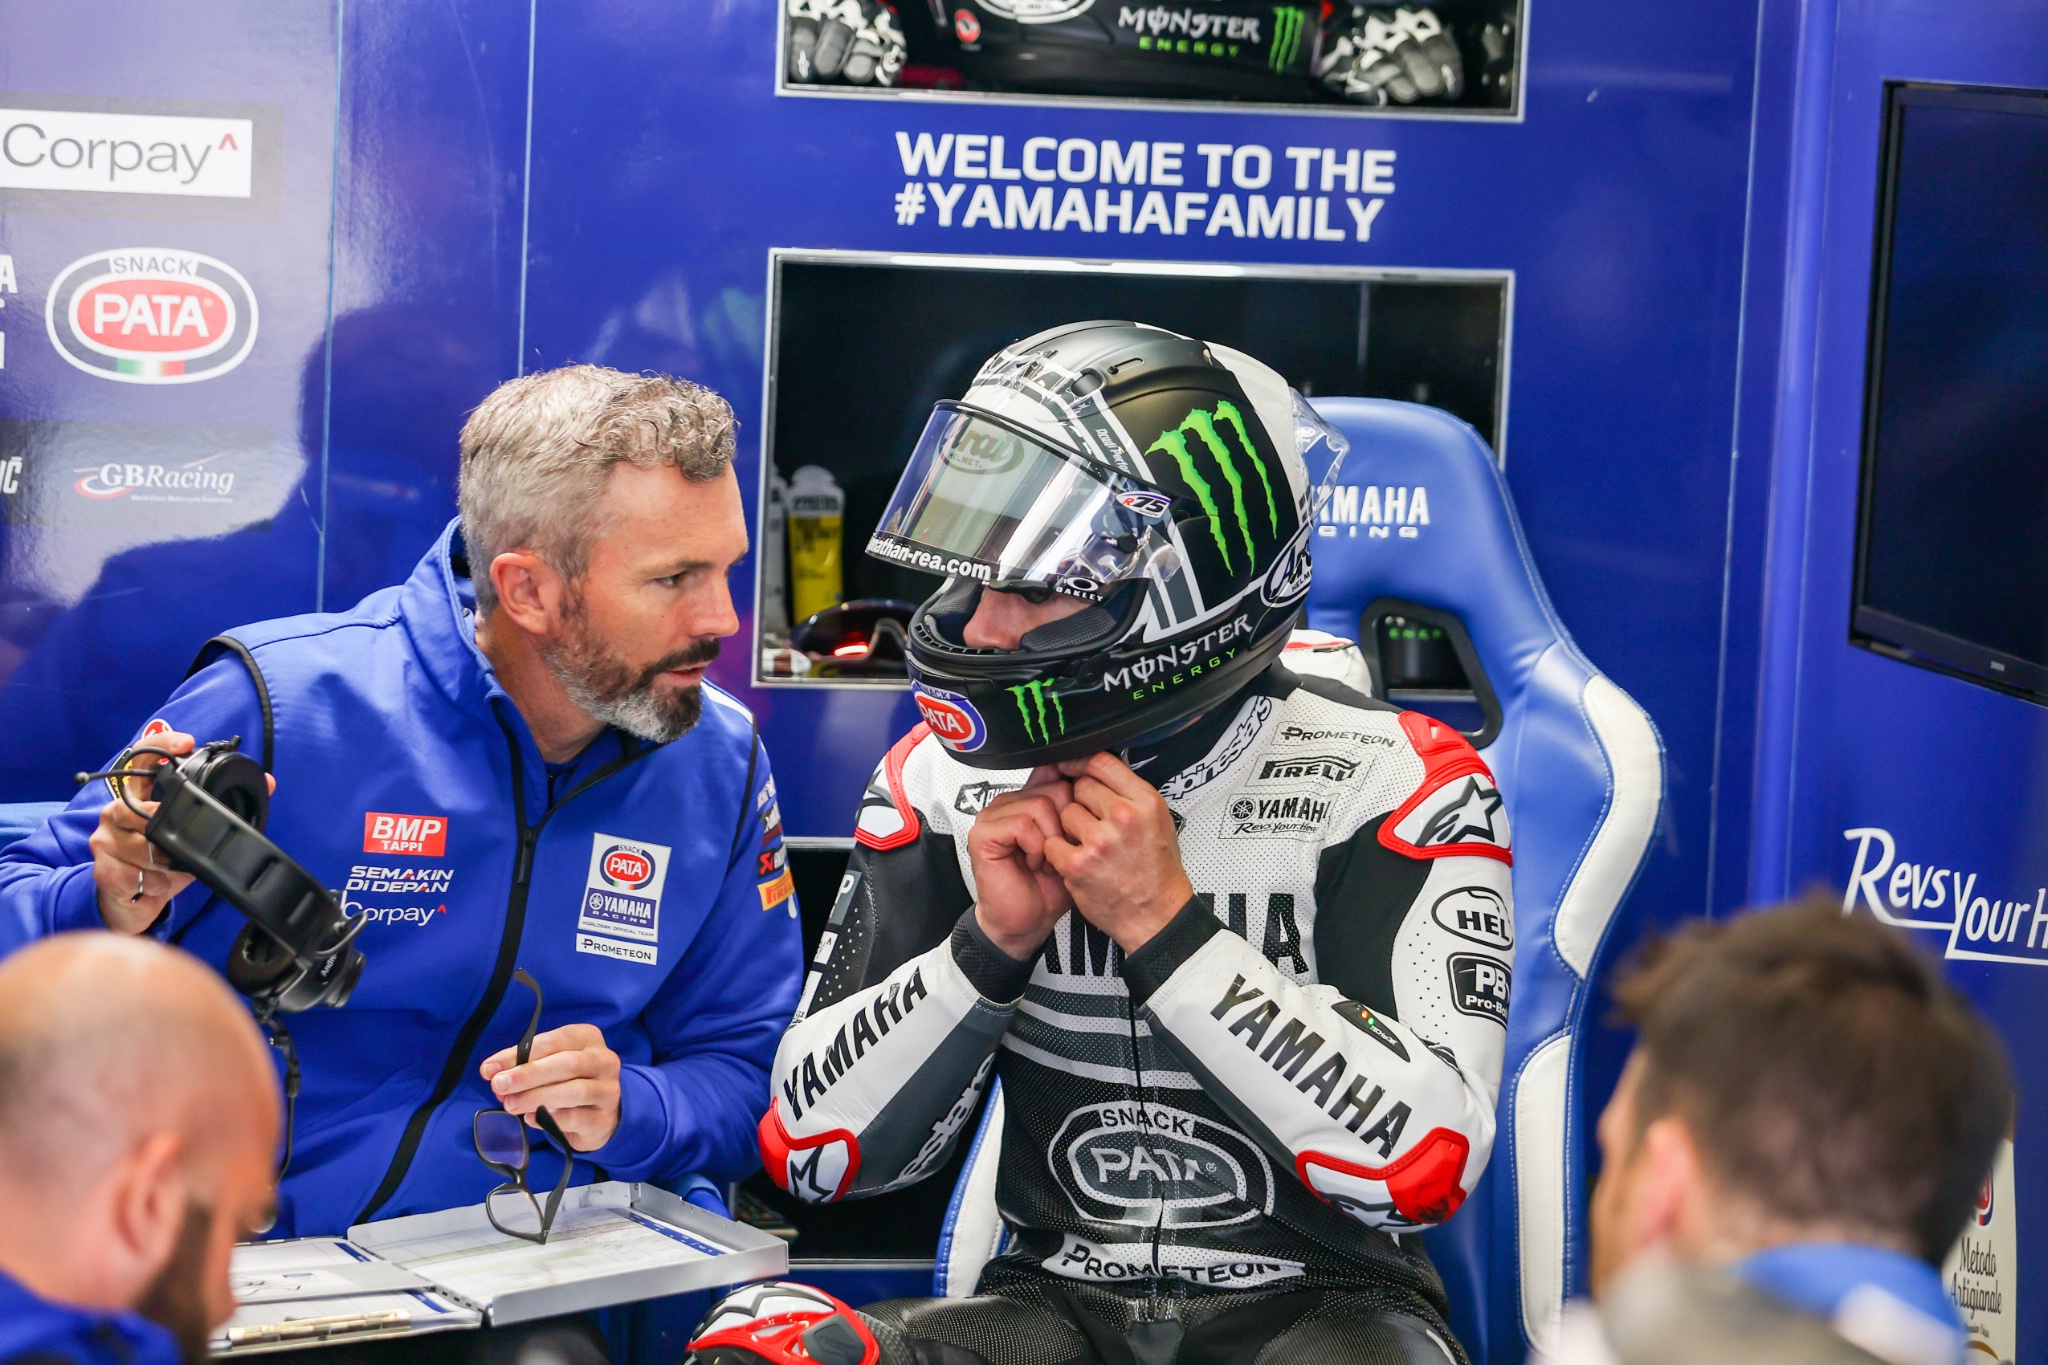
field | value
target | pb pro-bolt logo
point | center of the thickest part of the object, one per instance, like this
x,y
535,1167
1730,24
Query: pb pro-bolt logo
x,y
1207,427
1031,699
149,315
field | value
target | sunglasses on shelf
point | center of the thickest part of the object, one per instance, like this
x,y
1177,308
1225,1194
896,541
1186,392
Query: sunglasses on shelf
x,y
868,631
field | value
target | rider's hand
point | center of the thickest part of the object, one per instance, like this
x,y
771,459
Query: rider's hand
x,y
1121,857
128,872
572,1073
1021,896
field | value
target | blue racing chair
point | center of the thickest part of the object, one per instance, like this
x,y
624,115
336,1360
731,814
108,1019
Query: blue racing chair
x,y
1422,517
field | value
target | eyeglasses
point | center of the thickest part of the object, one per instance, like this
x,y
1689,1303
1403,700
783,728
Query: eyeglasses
x,y
501,1143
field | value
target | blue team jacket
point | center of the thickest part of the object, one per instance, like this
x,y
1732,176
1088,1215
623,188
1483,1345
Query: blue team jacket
x,y
35,1329
643,886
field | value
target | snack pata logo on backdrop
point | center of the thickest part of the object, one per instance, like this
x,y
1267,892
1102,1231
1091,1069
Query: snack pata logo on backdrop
x,y
620,915
151,315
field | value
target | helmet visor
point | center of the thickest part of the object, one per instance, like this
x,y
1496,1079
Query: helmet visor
x,y
987,499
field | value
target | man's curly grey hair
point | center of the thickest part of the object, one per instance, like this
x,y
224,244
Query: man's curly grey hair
x,y
536,455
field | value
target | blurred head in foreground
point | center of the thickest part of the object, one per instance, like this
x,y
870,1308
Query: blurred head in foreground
x,y
138,1131
1798,1076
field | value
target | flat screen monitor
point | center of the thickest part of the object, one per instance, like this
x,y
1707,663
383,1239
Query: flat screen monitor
x,y
1952,544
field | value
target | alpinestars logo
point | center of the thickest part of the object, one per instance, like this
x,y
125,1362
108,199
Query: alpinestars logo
x,y
973,797
1031,699
1469,817
1205,427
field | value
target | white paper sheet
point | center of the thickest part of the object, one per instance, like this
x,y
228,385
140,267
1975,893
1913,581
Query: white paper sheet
x,y
312,1268
586,1243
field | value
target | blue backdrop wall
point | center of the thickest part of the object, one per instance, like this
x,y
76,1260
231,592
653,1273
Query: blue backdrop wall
x,y
442,195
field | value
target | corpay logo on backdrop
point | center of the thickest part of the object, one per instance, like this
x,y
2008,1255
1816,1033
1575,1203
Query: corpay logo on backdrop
x,y
107,153
150,315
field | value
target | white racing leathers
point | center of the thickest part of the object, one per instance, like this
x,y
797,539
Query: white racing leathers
x,y
1304,1061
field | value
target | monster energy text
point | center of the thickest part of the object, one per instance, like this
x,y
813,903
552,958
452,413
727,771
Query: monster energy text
x,y
1207,426
1031,698
1158,671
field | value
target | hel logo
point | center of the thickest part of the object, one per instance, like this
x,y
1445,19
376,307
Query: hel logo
x,y
1477,914
622,894
627,867
151,316
423,835
952,718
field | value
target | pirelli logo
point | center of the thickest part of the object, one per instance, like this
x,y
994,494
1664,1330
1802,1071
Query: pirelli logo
x,y
1327,766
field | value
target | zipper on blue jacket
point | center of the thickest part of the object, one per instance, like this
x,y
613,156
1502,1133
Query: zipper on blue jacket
x,y
508,954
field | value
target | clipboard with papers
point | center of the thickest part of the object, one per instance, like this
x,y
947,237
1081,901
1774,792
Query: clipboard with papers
x,y
611,1243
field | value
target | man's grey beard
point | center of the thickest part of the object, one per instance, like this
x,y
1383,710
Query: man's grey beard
x,y
175,1300
610,691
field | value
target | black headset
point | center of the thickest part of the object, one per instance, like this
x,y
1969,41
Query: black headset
x,y
298,949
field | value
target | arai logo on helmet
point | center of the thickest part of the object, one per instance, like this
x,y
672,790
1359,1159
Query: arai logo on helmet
x,y
952,718
1288,579
628,867
149,315
1037,11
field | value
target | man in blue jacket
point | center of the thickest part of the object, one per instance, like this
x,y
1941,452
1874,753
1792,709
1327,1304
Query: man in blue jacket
x,y
511,760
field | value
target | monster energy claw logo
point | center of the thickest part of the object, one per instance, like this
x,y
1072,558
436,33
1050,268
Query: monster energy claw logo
x,y
1207,427
1287,28
1031,698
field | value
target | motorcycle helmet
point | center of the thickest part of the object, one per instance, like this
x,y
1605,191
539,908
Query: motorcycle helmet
x,y
1217,49
1156,479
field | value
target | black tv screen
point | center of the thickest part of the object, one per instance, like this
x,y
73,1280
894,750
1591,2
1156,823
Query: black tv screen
x,y
1952,546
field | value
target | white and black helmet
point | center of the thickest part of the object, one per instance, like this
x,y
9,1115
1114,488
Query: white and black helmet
x,y
1157,478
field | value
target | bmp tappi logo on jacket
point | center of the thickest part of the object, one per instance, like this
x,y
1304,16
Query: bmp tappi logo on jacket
x,y
150,315
421,835
622,898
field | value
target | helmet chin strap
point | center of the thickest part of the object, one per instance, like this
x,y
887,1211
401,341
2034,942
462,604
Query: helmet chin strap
x,y
1152,739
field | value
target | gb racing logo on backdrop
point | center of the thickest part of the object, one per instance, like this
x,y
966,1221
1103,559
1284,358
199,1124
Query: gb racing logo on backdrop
x,y
1985,922
150,315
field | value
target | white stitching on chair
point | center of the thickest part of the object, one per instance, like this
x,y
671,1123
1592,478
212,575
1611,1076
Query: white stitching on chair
x,y
1541,1113
1608,867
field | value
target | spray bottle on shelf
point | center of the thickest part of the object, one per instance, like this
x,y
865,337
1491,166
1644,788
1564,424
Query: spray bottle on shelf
x,y
817,519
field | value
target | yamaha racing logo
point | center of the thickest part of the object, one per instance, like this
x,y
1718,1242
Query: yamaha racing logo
x,y
1148,1164
148,315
